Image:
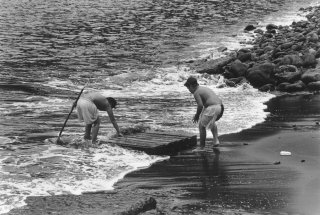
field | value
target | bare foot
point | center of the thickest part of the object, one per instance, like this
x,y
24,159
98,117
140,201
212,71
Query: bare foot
x,y
199,149
216,144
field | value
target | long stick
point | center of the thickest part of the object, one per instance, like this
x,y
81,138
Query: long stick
x,y
73,106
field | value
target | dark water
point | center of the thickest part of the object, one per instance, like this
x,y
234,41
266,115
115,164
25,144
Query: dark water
x,y
63,38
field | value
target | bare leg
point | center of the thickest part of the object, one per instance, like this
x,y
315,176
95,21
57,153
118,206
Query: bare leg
x,y
87,134
95,130
214,131
203,136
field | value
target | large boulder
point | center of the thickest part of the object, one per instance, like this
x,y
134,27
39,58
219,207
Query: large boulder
x,y
312,75
295,87
314,85
237,68
215,66
291,60
309,60
288,73
261,74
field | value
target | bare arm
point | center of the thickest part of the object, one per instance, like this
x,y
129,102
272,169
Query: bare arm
x,y
199,107
112,119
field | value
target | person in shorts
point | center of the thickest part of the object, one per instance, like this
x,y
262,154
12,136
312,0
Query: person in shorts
x,y
209,110
88,108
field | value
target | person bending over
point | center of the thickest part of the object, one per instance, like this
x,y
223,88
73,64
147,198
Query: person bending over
x,y
88,108
209,110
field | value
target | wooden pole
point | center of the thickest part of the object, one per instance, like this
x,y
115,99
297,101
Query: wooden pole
x,y
65,122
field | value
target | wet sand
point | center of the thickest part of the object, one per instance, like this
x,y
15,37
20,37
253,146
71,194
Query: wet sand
x,y
246,175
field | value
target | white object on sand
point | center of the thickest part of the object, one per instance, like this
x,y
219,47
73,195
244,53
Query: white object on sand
x,y
285,153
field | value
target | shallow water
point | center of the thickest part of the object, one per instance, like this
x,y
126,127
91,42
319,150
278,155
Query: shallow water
x,y
132,50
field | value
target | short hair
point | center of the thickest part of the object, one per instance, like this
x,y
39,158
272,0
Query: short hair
x,y
112,102
191,81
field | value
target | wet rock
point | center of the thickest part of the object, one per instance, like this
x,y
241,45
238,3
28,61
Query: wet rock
x,y
309,60
260,74
291,60
237,68
140,207
258,31
271,27
312,37
243,57
311,76
287,76
295,87
222,49
250,27
282,86
239,80
267,88
314,86
214,66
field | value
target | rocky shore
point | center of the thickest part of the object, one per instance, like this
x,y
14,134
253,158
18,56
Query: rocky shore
x,y
282,58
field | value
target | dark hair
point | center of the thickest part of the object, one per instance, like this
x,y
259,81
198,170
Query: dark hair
x,y
191,81
112,102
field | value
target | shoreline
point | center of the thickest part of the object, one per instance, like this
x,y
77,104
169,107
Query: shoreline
x,y
246,175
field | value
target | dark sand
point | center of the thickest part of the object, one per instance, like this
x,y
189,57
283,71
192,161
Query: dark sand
x,y
246,175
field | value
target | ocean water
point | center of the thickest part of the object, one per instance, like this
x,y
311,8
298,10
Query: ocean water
x,y
131,50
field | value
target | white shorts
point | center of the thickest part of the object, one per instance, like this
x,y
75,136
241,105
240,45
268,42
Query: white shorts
x,y
87,111
209,115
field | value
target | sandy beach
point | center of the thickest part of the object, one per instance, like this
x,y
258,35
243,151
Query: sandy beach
x,y
246,175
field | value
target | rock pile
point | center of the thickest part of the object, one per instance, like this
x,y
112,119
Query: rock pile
x,y
283,58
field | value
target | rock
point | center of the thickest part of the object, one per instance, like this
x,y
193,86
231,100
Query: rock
x,y
291,60
237,68
267,88
249,27
213,66
230,83
312,37
243,57
239,80
286,45
228,75
311,76
295,87
271,27
309,60
258,31
282,86
313,86
317,54
140,207
260,74
222,49
290,77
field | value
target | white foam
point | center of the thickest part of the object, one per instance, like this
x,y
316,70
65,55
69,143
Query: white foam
x,y
75,172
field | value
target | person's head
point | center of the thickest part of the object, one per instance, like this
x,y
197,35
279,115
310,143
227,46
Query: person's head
x,y
112,102
191,84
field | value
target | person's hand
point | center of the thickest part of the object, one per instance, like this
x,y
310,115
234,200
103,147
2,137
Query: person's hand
x,y
195,119
119,134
